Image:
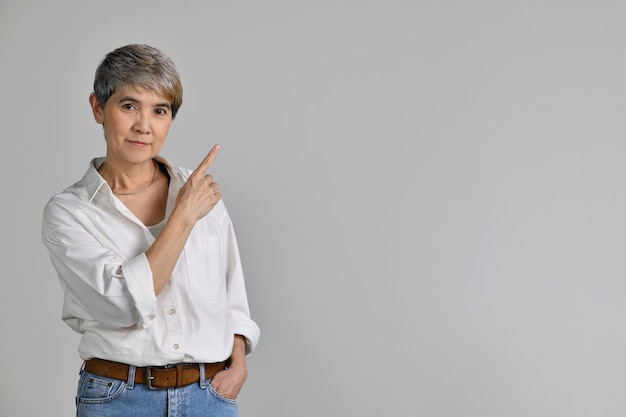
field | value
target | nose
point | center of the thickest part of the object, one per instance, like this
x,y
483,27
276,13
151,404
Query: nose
x,y
142,122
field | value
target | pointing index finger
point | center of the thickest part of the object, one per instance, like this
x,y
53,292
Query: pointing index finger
x,y
207,161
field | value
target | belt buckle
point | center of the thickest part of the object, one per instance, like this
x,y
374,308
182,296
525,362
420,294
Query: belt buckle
x,y
150,378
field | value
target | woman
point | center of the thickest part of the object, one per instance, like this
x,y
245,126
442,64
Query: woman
x,y
148,261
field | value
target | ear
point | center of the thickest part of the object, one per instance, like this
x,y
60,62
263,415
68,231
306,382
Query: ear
x,y
96,108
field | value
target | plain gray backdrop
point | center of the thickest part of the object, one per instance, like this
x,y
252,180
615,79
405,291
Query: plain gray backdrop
x,y
428,195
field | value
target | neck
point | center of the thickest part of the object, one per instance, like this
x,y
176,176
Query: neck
x,y
130,178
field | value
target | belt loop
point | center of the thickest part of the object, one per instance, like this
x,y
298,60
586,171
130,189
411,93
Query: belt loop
x,y
130,383
179,375
203,383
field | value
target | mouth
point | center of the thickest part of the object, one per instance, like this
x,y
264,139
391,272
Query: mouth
x,y
138,144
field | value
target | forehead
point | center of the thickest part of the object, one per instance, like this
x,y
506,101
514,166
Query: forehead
x,y
139,94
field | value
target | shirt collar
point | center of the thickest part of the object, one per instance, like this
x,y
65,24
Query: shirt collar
x,y
94,182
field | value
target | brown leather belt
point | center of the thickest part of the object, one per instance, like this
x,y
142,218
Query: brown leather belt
x,y
155,377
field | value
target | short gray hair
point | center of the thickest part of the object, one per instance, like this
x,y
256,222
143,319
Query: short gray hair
x,y
138,66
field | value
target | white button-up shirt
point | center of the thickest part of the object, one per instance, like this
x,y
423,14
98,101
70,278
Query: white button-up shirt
x,y
98,246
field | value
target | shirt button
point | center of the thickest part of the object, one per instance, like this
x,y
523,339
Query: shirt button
x,y
175,346
171,311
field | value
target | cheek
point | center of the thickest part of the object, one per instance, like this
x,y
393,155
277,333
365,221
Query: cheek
x,y
163,130
115,125
110,131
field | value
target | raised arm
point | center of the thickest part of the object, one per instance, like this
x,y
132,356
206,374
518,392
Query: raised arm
x,y
194,201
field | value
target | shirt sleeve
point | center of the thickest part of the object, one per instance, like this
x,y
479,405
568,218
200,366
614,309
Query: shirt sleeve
x,y
104,287
239,311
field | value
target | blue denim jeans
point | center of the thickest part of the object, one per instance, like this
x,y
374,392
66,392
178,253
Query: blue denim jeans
x,y
106,397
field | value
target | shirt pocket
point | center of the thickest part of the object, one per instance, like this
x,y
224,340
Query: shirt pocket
x,y
203,260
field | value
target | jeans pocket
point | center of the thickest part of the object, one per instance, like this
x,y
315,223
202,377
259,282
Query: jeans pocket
x,y
218,396
94,389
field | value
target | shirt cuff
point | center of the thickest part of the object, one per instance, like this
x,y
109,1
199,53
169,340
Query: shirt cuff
x,y
247,328
138,277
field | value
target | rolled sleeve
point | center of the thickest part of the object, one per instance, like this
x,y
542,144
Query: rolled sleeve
x,y
114,292
138,277
247,328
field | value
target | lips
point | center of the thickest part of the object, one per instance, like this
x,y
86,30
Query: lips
x,y
138,143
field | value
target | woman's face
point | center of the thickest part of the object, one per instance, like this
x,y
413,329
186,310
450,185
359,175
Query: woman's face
x,y
136,122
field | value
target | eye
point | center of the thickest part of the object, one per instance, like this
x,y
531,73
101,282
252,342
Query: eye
x,y
160,112
128,106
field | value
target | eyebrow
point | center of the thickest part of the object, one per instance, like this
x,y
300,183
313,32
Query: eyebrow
x,y
134,100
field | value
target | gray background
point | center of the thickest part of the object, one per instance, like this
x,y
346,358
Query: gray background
x,y
428,195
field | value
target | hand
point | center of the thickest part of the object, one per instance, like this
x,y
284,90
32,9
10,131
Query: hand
x,y
228,383
200,193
